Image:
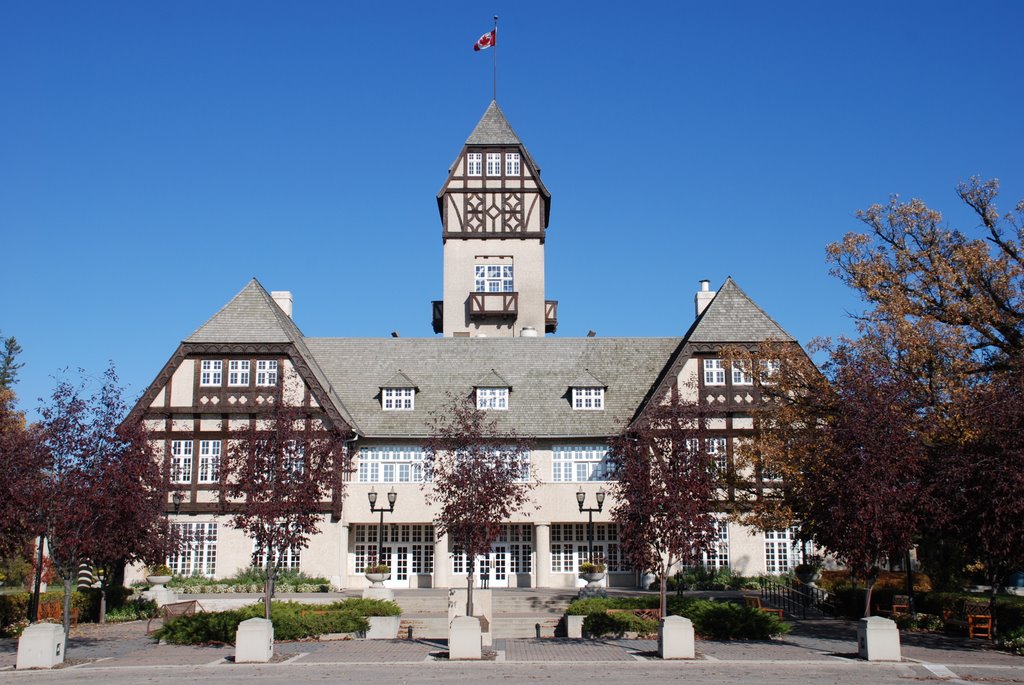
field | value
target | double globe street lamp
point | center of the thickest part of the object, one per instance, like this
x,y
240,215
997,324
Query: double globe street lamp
x,y
390,509
581,497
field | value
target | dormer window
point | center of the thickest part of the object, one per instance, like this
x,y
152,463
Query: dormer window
x,y
588,398
492,398
494,164
474,164
398,399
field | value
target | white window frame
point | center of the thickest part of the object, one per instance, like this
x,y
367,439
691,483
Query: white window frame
x,y
209,461
782,553
474,164
769,370
181,461
570,547
199,556
238,373
741,374
494,164
512,164
714,372
398,399
718,449
588,399
494,278
211,372
391,464
718,557
492,399
266,372
288,559
581,464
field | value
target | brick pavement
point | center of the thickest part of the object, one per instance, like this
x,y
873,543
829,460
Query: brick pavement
x,y
564,649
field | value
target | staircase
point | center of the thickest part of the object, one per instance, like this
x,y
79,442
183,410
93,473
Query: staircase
x,y
517,612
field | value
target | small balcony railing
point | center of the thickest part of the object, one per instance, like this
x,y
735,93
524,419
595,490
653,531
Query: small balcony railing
x,y
438,315
493,304
550,316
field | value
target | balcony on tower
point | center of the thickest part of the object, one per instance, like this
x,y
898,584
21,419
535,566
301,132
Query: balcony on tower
x,y
550,316
488,305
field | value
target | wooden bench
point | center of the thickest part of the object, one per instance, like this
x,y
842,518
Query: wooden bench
x,y
977,619
754,602
650,614
900,605
54,611
169,611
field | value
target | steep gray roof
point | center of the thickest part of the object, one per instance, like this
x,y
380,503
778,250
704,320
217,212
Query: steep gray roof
x,y
539,371
493,129
491,379
587,380
250,316
732,317
399,380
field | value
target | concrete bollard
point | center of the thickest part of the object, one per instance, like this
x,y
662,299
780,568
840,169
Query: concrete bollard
x,y
675,638
41,646
254,642
878,639
465,639
574,626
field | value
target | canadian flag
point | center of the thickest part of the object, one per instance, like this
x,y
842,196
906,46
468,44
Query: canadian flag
x,y
485,41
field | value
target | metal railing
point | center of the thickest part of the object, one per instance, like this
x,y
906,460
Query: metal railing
x,y
796,601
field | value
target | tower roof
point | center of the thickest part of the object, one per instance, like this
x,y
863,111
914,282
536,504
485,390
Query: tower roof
x,y
493,129
732,317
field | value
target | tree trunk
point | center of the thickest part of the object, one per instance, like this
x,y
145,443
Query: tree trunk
x,y
471,568
33,605
67,607
993,580
103,602
268,587
910,585
869,586
662,595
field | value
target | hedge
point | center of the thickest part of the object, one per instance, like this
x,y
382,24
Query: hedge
x,y
14,606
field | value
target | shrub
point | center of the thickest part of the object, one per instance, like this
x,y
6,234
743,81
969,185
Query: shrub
x,y
728,621
594,605
1013,641
14,606
617,625
160,570
292,621
251,579
366,607
920,621
132,611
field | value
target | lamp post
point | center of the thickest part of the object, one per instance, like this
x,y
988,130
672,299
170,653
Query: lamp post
x,y
372,496
580,499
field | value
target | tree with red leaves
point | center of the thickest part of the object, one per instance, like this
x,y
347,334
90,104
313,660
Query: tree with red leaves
x,y
478,475
102,493
665,488
278,471
21,466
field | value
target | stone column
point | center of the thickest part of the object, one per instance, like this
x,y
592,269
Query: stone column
x,y
344,560
441,561
542,536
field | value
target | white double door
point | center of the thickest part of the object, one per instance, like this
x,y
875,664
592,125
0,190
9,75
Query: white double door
x,y
399,558
492,569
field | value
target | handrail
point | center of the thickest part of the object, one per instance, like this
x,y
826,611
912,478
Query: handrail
x,y
793,600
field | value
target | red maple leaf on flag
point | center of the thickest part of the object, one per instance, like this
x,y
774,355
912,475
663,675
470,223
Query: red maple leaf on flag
x,y
485,41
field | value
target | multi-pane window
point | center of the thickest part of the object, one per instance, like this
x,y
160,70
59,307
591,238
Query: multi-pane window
x,y
581,463
493,278
718,555
492,398
494,164
391,464
266,372
769,370
780,551
714,372
588,398
211,372
293,458
209,461
717,448
570,547
285,559
398,399
238,372
741,374
511,163
474,162
410,545
198,556
181,461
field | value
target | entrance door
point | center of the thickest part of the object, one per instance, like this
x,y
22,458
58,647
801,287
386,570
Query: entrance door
x,y
493,568
397,557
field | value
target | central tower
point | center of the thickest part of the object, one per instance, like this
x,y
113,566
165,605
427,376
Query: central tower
x,y
494,215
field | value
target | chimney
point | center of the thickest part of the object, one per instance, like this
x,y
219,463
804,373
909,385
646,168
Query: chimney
x,y
528,332
283,298
704,296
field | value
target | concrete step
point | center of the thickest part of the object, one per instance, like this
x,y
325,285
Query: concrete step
x,y
548,625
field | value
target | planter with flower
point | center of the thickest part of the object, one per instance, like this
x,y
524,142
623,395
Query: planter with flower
x,y
159,575
592,572
809,572
377,574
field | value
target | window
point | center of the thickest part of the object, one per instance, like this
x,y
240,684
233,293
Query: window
x,y
741,374
714,372
266,372
492,398
398,399
569,546
494,164
511,163
718,556
717,448
588,398
285,559
416,552
209,461
769,370
293,459
181,461
581,463
212,371
474,162
391,464
493,278
780,551
238,372
199,556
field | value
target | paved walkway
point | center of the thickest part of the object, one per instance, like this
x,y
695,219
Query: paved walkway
x,y
824,649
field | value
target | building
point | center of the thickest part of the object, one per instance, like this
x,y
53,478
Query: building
x,y
569,394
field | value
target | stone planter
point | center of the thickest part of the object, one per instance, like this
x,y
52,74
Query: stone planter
x,y
592,578
377,579
382,627
158,582
808,577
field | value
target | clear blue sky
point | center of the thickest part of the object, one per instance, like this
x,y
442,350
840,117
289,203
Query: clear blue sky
x,y
155,156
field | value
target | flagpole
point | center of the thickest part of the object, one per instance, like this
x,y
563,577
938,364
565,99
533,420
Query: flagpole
x,y
495,46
